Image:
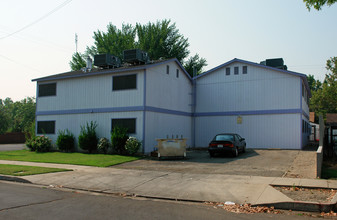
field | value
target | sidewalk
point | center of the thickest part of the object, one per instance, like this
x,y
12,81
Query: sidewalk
x,y
169,185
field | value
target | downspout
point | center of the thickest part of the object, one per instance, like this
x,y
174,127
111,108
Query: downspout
x,y
194,103
301,123
144,108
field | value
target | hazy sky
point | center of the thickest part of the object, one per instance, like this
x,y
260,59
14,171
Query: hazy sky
x,y
218,30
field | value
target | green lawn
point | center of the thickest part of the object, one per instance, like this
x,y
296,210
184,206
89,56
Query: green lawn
x,y
17,170
98,160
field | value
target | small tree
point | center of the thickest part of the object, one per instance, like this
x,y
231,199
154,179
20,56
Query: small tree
x,y
118,139
65,141
87,140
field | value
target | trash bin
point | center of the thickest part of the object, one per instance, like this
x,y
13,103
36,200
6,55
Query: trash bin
x,y
171,147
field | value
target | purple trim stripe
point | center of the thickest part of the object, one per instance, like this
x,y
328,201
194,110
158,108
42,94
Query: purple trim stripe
x,y
257,112
167,111
89,110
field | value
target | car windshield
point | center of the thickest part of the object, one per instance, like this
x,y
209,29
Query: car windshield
x,y
224,137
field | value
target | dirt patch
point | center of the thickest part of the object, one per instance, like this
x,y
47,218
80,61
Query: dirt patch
x,y
307,194
303,166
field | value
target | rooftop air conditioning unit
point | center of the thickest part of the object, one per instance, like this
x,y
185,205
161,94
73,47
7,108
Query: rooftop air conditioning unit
x,y
135,56
276,63
107,61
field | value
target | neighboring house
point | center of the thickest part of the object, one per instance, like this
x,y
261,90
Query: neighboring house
x,y
152,101
266,105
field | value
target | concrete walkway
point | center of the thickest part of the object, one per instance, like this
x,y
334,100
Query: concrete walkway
x,y
170,185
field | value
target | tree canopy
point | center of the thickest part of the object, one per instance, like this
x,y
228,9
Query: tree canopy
x,y
16,116
161,40
318,4
324,99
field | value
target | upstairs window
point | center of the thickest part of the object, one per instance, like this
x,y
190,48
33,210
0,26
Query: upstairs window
x,y
244,70
167,69
228,71
177,73
236,70
47,89
124,82
128,123
46,127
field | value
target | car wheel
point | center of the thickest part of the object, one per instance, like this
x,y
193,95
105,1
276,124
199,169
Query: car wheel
x,y
236,152
244,149
211,154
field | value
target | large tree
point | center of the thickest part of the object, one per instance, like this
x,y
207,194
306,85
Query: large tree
x,y
314,84
161,40
324,100
17,116
318,4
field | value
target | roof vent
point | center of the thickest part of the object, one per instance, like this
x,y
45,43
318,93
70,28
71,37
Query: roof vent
x,y
136,56
276,63
107,61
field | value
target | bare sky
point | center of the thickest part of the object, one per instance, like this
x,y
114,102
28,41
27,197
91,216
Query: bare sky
x,y
218,30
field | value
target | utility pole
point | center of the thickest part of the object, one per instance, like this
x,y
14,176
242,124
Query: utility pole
x,y
76,41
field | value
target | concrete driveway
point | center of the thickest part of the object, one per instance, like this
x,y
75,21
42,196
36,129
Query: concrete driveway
x,y
268,163
9,147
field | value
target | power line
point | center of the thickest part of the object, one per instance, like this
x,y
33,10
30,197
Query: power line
x,y
36,21
9,59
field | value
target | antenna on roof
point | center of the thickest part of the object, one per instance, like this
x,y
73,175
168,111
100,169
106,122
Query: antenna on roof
x,y
76,41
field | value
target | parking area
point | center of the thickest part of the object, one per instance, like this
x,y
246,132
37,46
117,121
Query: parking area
x,y
269,163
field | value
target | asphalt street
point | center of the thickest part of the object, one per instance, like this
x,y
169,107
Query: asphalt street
x,y
24,201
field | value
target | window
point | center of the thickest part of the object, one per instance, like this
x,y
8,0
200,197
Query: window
x,y
228,71
244,70
167,69
124,82
224,137
236,70
47,89
46,127
129,123
177,73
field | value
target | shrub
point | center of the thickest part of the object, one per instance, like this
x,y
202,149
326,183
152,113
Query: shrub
x,y
29,143
132,145
65,141
118,139
87,140
103,145
41,144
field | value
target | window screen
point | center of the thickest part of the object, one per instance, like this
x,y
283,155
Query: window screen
x,y
47,89
244,70
124,82
46,127
228,71
236,70
128,123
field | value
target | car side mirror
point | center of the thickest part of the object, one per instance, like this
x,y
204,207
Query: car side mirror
x,y
242,139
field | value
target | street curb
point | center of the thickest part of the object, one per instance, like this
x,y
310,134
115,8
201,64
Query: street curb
x,y
13,179
302,206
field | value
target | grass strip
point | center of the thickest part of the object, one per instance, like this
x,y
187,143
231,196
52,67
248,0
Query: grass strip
x,y
98,160
18,170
